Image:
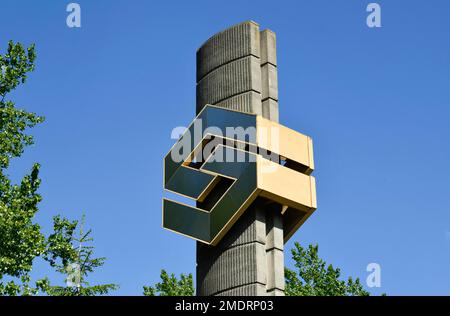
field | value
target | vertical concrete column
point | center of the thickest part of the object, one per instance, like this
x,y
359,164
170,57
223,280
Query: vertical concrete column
x,y
269,75
274,250
236,69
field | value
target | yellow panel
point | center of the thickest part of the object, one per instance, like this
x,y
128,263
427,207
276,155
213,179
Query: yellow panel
x,y
285,142
313,193
286,186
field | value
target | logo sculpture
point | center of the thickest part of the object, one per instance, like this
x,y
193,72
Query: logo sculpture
x,y
227,159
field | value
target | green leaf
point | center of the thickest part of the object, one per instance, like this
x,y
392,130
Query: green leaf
x,y
314,278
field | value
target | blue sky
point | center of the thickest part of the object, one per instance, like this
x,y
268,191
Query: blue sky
x,y
375,101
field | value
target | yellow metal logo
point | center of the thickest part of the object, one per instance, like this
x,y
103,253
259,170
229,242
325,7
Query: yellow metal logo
x,y
226,160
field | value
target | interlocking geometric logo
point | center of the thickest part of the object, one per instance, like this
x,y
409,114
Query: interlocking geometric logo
x,y
225,172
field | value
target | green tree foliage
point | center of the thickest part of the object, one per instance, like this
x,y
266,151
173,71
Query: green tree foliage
x,y
71,255
21,239
171,286
314,278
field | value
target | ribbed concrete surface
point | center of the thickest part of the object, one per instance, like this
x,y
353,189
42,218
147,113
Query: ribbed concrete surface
x,y
245,102
251,228
236,77
238,260
248,259
242,267
237,69
238,41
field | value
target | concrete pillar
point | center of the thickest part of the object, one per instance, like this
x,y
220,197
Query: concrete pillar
x,y
237,69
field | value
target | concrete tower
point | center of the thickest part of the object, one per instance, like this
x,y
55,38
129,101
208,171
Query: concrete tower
x,y
237,69
246,209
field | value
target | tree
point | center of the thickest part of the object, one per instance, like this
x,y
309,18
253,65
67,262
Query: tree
x,y
314,278
171,286
70,255
21,239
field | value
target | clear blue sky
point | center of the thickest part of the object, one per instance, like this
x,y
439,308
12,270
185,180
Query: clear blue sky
x,y
375,101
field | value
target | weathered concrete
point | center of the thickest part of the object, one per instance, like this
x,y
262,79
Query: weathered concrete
x,y
270,109
248,260
233,43
274,250
229,80
269,75
237,69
